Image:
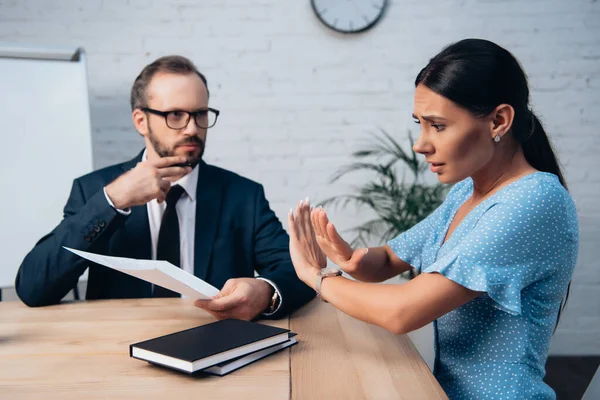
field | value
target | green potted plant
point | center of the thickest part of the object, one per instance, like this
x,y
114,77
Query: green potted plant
x,y
397,194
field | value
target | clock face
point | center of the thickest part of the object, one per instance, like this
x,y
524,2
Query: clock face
x,y
349,16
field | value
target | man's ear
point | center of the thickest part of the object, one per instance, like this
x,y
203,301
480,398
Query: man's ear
x,y
502,120
140,121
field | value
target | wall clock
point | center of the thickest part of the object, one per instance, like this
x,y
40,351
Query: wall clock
x,y
349,16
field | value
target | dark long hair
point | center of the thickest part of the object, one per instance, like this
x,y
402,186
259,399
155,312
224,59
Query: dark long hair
x,y
479,75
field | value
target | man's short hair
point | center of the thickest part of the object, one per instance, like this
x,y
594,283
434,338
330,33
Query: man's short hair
x,y
168,64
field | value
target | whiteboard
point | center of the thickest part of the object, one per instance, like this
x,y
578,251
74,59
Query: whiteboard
x,y
46,137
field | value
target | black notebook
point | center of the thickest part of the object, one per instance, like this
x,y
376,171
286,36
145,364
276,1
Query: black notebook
x,y
232,365
207,345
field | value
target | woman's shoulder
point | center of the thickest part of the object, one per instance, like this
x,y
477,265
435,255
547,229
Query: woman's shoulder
x,y
540,197
536,189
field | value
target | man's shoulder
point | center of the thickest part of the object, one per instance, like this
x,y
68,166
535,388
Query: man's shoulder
x,y
103,176
233,179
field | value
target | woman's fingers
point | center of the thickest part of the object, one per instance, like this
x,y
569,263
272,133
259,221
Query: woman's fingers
x,y
295,220
335,238
342,247
313,233
292,224
299,227
314,219
358,255
305,216
333,234
317,224
313,223
323,221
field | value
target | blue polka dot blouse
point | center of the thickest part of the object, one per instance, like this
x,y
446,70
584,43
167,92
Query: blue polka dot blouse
x,y
519,246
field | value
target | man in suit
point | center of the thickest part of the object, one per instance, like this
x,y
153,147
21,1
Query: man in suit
x,y
167,203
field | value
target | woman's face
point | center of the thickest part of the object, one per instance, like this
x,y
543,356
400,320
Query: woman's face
x,y
455,143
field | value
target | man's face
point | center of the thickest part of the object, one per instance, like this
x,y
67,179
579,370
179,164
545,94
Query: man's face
x,y
173,92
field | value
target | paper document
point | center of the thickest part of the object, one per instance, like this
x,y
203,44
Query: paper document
x,y
158,272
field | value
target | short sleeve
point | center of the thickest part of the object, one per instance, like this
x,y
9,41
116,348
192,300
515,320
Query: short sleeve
x,y
409,246
501,254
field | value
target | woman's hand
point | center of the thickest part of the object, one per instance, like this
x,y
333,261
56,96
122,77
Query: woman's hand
x,y
336,248
307,256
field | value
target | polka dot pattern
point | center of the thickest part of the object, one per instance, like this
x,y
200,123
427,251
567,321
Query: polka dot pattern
x,y
519,247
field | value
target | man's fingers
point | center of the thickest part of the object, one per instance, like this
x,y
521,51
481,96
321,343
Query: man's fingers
x,y
220,304
163,189
164,186
217,314
228,287
173,171
167,161
201,303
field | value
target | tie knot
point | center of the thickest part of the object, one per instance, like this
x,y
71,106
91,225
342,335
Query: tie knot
x,y
173,196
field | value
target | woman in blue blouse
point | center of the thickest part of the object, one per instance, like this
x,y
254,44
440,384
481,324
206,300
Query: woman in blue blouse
x,y
496,257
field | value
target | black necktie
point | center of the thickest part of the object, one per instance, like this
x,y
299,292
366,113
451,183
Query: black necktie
x,y
168,238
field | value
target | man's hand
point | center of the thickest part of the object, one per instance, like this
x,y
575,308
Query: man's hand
x,y
147,181
240,298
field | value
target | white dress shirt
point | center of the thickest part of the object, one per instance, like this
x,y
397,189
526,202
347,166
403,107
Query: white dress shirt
x,y
186,216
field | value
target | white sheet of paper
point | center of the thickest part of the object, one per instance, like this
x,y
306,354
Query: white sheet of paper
x,y
158,272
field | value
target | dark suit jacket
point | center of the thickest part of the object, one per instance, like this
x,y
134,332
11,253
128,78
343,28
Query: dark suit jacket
x,y
236,234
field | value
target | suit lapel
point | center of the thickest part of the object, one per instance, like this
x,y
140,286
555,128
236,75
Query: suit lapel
x,y
208,206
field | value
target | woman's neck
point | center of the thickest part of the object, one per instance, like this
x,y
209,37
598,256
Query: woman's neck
x,y
502,170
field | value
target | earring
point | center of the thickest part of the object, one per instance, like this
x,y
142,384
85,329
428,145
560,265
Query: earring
x,y
497,138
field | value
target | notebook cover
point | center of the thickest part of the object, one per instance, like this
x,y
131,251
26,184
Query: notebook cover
x,y
204,372
207,340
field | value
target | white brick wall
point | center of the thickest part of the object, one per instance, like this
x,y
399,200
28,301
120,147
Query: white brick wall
x,y
296,99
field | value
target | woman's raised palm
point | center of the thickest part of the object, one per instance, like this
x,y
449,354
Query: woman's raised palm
x,y
332,244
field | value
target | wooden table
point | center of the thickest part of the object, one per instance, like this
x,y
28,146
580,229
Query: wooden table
x,y
81,351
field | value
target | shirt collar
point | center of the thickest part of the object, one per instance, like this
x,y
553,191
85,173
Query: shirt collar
x,y
188,182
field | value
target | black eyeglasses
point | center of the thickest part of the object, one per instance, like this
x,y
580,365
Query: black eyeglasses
x,y
179,119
